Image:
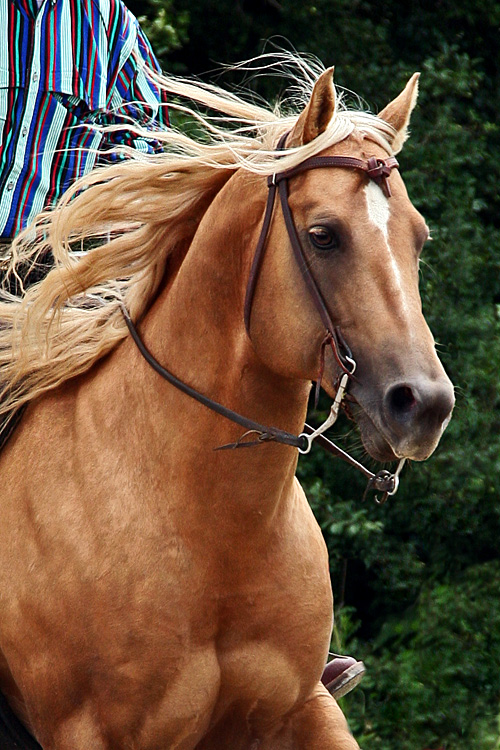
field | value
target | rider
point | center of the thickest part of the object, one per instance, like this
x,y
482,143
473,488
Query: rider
x,y
68,68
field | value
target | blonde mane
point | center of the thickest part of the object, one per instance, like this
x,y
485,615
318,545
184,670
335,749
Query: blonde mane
x,y
131,217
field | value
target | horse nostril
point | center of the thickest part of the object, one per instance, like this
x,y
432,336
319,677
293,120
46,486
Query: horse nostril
x,y
401,400
413,414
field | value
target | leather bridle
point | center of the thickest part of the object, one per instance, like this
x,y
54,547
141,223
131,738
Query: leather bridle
x,y
376,169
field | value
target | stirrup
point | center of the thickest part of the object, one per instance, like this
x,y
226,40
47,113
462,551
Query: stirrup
x,y
345,676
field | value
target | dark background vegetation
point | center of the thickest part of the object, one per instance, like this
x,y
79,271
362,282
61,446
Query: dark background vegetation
x,y
417,581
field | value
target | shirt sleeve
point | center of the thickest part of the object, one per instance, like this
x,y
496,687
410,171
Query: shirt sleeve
x,y
133,98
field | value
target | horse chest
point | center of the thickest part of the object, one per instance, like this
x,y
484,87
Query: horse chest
x,y
186,629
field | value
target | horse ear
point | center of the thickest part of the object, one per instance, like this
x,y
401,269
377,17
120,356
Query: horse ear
x,y
398,112
319,111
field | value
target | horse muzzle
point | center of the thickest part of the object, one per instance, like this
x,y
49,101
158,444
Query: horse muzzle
x,y
407,421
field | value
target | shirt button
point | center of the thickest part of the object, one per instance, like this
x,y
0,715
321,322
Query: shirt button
x,y
35,76
24,132
10,185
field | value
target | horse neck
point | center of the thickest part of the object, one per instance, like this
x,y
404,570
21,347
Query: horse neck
x,y
196,330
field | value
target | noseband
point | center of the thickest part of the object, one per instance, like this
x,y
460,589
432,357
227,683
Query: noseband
x,y
376,169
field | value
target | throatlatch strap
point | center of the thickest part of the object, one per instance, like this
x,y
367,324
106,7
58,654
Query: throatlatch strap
x,y
258,255
265,433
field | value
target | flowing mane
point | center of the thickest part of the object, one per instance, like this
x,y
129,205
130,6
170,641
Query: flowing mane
x,y
135,215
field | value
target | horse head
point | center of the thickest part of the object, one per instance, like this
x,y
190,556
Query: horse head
x,y
361,239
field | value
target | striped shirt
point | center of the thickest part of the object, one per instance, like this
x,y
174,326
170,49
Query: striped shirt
x,y
64,68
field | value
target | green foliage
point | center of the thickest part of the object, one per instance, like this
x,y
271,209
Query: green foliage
x,y
164,25
446,647
416,581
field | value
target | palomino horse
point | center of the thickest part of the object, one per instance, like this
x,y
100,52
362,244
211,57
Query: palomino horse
x,y
156,593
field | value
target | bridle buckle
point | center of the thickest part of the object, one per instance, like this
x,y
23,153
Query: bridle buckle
x,y
379,170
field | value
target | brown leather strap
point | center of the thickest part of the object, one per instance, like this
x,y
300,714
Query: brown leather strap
x,y
301,259
377,169
312,286
258,255
265,433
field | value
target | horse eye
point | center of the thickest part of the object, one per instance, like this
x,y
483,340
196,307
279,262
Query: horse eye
x,y
324,238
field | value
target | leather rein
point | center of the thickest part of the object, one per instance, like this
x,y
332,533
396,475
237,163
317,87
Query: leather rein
x,y
376,169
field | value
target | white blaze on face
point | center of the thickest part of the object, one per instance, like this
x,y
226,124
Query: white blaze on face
x,y
378,207
379,211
